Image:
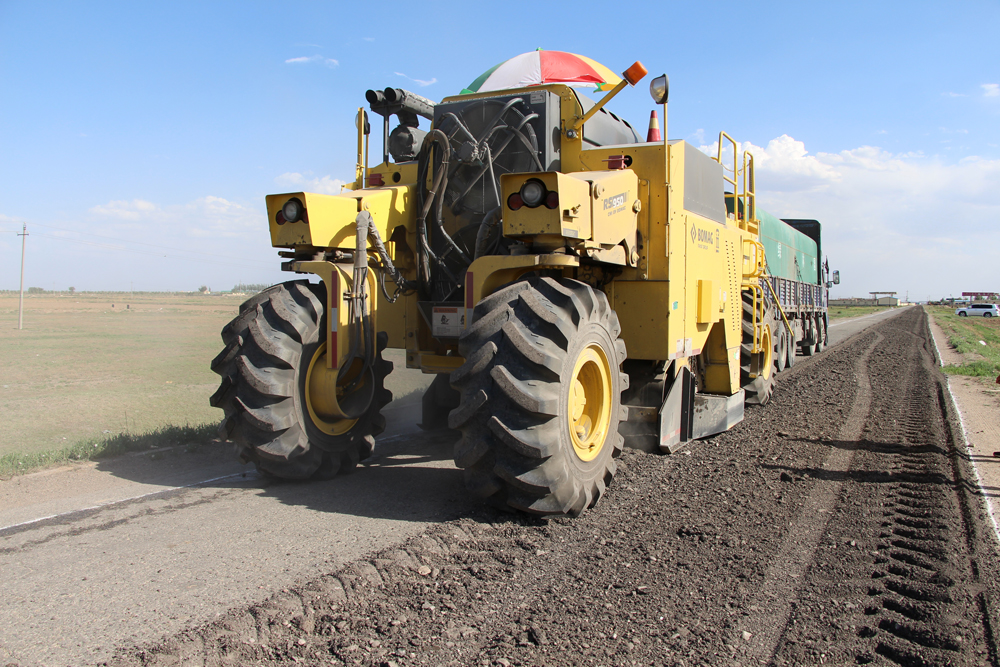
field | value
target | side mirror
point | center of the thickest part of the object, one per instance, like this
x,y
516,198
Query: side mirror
x,y
836,277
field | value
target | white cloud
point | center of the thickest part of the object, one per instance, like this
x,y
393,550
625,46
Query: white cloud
x,y
368,39
954,94
125,210
419,82
991,89
325,185
329,62
205,216
891,221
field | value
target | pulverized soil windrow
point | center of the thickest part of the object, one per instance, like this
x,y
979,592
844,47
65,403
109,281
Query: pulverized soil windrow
x,y
836,525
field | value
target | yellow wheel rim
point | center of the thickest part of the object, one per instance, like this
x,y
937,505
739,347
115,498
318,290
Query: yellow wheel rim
x,y
590,403
322,394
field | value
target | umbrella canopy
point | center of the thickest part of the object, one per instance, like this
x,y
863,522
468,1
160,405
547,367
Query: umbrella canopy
x,y
536,68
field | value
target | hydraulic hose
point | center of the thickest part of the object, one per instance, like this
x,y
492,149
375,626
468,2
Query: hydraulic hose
x,y
427,200
483,235
360,323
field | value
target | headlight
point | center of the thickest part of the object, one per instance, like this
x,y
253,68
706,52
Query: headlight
x,y
292,210
533,193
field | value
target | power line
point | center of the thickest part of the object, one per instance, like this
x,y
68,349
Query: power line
x,y
121,240
213,259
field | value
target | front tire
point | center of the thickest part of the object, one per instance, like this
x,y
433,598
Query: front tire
x,y
270,349
541,397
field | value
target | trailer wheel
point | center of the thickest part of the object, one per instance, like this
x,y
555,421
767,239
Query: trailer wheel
x,y
780,347
808,333
272,350
540,397
758,388
792,349
820,333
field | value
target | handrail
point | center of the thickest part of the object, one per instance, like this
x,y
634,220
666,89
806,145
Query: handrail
x,y
749,191
747,194
732,181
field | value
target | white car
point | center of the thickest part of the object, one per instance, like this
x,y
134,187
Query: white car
x,y
979,310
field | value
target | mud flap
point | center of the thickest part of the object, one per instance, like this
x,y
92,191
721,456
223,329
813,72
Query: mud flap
x,y
715,414
676,414
687,416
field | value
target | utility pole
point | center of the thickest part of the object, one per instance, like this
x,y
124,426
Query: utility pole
x,y
20,302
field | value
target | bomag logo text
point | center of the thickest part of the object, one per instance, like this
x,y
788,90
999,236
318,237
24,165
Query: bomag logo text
x,y
617,201
699,235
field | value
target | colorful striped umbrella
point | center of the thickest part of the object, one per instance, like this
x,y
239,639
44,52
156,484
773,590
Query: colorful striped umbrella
x,y
536,68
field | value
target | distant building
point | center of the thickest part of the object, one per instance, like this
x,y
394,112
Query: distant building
x,y
888,301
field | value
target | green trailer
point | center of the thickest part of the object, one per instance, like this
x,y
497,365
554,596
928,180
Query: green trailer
x,y
790,254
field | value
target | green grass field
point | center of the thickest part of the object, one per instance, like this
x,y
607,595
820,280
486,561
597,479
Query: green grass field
x,y
977,339
84,375
841,312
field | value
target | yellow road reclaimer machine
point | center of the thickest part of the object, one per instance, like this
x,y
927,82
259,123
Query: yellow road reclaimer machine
x,y
574,288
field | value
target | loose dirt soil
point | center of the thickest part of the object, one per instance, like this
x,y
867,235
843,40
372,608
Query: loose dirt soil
x,y
840,524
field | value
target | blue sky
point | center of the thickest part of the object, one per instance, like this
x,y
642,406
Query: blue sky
x,y
167,123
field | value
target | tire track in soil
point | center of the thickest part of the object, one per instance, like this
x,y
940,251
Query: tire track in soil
x,y
669,566
921,601
773,605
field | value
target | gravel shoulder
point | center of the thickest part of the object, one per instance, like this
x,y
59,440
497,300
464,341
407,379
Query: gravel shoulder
x,y
978,404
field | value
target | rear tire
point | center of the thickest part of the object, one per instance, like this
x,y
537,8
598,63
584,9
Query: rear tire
x,y
268,350
758,389
541,397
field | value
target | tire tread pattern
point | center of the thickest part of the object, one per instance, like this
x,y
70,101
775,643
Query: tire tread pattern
x,y
267,349
517,351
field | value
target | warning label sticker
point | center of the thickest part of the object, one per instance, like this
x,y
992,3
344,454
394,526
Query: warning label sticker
x,y
447,322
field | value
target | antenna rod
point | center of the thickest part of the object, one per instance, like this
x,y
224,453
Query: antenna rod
x,y
20,302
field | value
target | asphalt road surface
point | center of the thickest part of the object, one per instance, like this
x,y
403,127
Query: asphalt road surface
x,y
147,560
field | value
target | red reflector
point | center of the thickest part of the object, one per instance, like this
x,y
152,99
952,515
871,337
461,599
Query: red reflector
x,y
515,202
552,200
375,180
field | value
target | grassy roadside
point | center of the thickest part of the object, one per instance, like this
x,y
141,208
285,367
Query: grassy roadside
x,y
90,368
90,450
841,312
977,339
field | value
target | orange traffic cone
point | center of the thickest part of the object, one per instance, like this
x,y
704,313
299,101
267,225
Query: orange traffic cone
x,y
654,127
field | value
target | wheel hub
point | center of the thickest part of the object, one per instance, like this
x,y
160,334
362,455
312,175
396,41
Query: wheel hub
x,y
324,398
590,403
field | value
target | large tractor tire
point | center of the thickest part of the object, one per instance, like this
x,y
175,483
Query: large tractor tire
x,y
541,397
271,350
820,333
759,388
